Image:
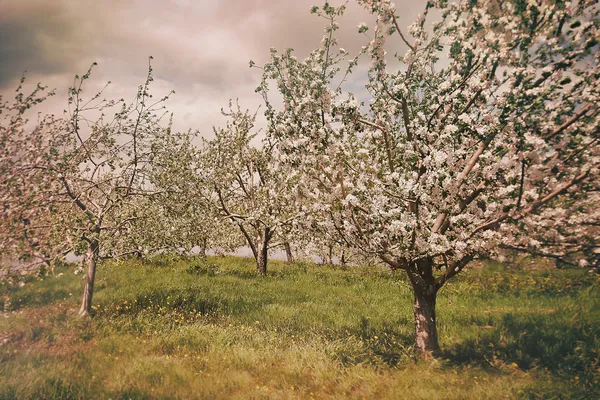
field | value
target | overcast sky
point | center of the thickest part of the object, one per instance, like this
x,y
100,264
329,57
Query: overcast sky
x,y
201,48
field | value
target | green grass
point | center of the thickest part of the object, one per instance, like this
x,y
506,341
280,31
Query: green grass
x,y
192,329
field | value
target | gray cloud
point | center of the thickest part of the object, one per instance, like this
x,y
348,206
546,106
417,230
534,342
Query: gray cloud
x,y
201,49
31,37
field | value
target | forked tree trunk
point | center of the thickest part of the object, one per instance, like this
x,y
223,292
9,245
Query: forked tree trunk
x,y
91,260
426,336
288,253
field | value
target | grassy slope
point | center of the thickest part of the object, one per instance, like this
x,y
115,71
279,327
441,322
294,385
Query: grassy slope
x,y
185,330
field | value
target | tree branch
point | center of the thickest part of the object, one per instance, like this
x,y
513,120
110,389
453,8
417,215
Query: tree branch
x,y
569,122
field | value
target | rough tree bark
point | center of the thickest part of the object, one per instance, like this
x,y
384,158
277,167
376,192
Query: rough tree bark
x,y
91,260
426,342
425,295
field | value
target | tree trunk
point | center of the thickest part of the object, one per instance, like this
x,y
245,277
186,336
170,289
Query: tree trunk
x,y
91,259
329,260
203,247
288,253
262,246
426,341
343,258
261,263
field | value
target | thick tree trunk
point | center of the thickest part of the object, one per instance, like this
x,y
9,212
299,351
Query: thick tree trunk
x,y
426,342
261,263
425,292
288,253
91,259
343,258
262,247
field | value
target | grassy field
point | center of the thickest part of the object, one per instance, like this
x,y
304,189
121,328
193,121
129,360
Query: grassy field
x,y
194,329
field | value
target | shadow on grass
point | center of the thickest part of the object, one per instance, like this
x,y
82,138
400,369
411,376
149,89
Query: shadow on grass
x,y
184,300
188,302
387,345
532,340
38,292
566,348
242,270
30,299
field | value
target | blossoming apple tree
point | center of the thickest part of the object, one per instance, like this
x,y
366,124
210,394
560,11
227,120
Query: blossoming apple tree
x,y
483,134
246,186
27,209
180,220
77,180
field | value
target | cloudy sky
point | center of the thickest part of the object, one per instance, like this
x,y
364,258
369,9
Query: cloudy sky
x,y
201,48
